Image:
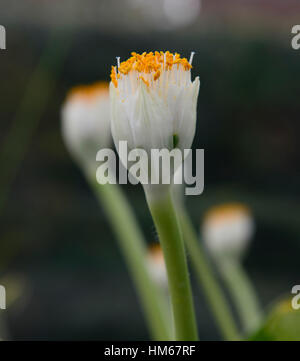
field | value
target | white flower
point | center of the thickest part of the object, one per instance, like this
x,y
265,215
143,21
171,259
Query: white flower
x,y
153,102
157,266
86,122
227,230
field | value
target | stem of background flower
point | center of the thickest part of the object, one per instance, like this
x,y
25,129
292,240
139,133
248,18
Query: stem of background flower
x,y
242,292
212,291
3,328
28,114
165,219
133,248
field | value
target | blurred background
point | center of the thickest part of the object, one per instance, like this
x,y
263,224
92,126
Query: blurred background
x,y
58,257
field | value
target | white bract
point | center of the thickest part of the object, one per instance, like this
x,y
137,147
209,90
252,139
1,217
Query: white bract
x,y
153,102
86,122
227,230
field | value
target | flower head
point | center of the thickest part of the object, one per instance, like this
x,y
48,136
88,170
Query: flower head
x,y
153,101
227,229
86,121
156,265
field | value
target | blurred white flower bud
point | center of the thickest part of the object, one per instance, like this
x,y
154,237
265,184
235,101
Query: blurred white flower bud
x,y
156,265
227,230
86,122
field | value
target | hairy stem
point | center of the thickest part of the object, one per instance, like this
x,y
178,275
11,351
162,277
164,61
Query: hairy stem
x,y
165,220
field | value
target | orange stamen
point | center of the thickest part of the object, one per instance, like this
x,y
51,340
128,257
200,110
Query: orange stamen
x,y
88,92
149,63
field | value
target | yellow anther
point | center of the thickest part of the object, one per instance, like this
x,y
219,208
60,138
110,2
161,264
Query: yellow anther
x,y
113,76
145,81
152,63
156,75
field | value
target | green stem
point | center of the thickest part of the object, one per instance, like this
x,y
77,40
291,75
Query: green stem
x,y
212,291
165,220
133,248
242,291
